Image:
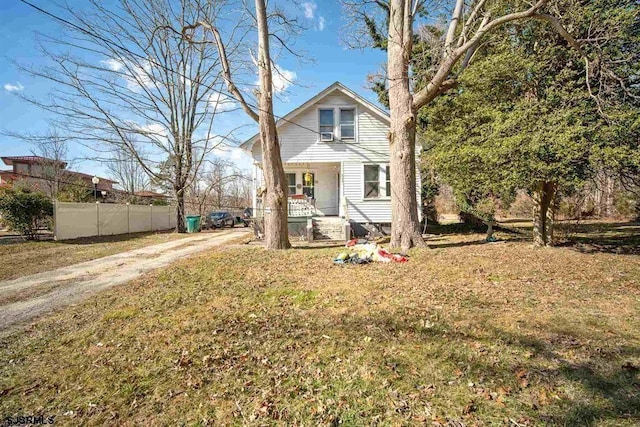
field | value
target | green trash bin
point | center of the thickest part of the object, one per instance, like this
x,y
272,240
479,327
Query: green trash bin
x,y
193,223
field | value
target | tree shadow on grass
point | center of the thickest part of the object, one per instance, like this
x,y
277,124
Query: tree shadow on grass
x,y
448,244
461,228
110,239
330,244
608,382
601,385
614,238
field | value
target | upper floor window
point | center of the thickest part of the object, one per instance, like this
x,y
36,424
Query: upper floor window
x,y
327,124
347,124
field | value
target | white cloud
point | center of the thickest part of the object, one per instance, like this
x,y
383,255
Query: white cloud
x,y
221,102
309,9
140,76
221,148
282,79
236,154
112,64
229,153
13,87
137,75
154,131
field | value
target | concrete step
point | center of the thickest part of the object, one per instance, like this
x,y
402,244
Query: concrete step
x,y
327,237
328,228
319,235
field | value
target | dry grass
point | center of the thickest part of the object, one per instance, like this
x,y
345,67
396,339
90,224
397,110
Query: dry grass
x,y
22,259
464,334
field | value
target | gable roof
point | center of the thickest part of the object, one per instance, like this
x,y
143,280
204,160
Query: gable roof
x,y
288,118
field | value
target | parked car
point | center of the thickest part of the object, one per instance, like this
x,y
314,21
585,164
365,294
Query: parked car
x,y
219,220
247,214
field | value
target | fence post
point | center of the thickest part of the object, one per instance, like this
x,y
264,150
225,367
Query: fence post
x,y
128,219
98,217
151,215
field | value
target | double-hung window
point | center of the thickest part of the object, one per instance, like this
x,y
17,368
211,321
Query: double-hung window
x,y
347,124
327,124
371,181
377,181
291,183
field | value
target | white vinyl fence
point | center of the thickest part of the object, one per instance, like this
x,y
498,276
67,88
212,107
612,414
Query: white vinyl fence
x,y
73,220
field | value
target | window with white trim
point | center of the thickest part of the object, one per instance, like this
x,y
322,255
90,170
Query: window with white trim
x,y
387,172
377,181
327,124
348,124
371,181
291,183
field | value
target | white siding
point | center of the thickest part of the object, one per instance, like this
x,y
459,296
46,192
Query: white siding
x,y
300,144
369,210
360,209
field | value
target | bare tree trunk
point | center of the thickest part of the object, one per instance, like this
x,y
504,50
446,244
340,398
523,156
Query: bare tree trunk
x,y
275,199
544,214
276,215
181,226
405,226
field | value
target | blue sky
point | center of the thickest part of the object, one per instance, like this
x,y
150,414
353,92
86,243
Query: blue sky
x,y
321,43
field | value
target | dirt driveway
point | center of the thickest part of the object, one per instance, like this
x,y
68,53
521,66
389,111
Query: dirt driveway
x,y
27,297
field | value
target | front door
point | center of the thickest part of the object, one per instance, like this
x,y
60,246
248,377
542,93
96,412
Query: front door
x,y
308,184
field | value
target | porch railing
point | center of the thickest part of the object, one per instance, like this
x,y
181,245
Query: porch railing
x,y
302,206
297,206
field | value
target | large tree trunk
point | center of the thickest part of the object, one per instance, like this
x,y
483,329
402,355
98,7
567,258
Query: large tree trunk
x,y
405,226
276,206
544,214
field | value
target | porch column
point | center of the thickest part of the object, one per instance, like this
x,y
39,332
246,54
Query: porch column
x,y
341,212
309,229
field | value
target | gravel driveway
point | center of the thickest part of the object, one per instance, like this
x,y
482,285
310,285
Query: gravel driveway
x,y
27,297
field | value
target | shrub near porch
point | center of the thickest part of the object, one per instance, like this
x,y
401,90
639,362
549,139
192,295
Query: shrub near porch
x,y
463,333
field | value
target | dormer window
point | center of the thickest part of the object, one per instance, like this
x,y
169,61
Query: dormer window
x,y
347,124
327,124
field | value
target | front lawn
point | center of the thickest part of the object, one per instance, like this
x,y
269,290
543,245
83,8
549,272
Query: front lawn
x,y
463,334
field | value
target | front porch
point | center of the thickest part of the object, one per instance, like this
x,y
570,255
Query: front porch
x,y
314,208
315,190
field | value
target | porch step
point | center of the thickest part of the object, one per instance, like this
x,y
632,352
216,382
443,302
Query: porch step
x,y
328,229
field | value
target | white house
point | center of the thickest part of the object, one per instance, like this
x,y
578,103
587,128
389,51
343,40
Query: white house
x,y
336,157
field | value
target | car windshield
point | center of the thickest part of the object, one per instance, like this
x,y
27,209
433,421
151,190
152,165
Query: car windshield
x,y
217,215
